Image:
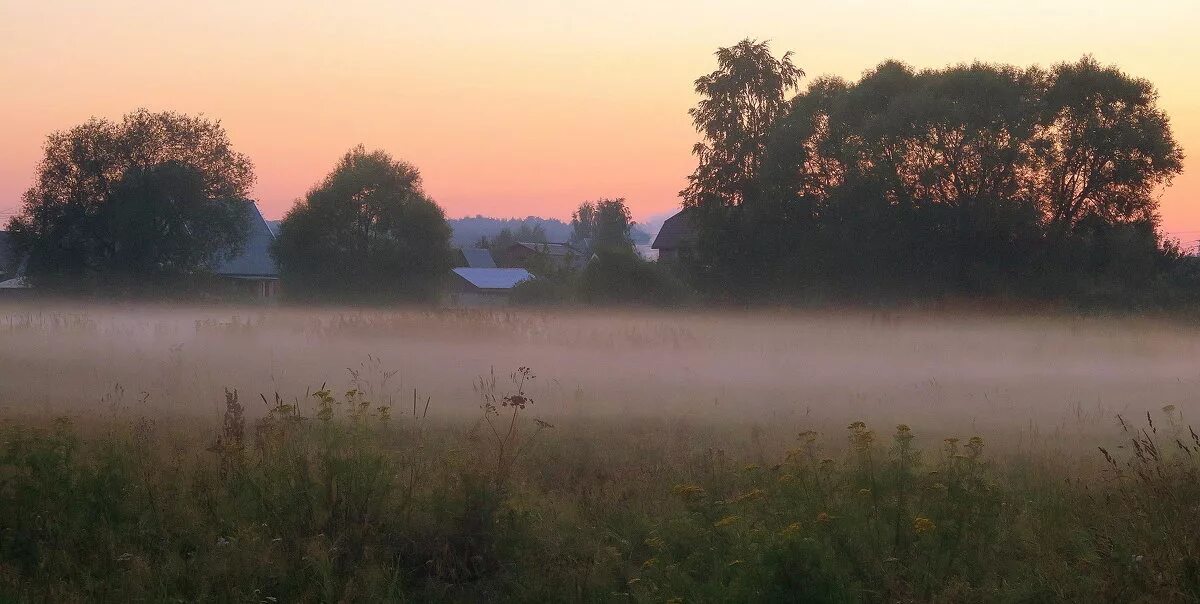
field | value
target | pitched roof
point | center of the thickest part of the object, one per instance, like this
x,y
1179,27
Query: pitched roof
x,y
255,259
477,258
493,278
675,232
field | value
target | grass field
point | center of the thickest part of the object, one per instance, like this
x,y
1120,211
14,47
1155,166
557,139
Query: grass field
x,y
166,454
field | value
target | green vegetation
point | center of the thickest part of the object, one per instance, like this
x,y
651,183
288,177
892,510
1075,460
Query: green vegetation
x,y
135,207
367,233
339,498
981,180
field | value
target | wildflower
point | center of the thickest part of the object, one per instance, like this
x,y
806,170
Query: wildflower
x,y
650,563
750,495
808,435
734,563
923,525
864,492
791,529
222,541
975,445
675,600
655,542
726,521
1169,409
786,478
824,518
689,491
751,468
633,581
1138,558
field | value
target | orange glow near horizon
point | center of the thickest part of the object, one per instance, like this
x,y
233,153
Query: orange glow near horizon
x,y
526,107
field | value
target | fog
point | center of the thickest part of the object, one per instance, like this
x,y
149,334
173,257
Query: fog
x,y
1013,377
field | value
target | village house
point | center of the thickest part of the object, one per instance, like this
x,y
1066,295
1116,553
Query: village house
x,y
485,286
559,255
676,239
254,271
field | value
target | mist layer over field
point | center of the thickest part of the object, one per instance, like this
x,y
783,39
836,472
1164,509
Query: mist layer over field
x,y
943,374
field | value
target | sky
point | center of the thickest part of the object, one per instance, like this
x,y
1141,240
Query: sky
x,y
516,108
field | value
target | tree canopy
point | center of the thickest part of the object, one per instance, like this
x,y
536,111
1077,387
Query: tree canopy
x,y
367,233
973,179
602,225
130,204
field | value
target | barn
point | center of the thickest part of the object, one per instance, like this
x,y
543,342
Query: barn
x,y
485,286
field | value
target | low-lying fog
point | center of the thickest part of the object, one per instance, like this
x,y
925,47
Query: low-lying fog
x,y
781,370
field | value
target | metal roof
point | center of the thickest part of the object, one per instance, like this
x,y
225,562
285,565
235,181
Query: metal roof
x,y
477,258
255,259
493,278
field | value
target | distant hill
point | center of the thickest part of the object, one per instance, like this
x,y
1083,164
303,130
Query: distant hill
x,y
467,231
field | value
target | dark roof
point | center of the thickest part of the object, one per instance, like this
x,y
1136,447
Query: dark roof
x,y
8,258
676,231
476,258
255,259
550,249
493,278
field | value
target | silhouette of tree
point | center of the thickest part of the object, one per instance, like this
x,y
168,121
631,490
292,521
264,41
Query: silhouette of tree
x,y
367,233
133,204
603,225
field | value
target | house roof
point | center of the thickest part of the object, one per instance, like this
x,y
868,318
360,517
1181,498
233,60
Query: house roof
x,y
477,258
550,249
15,283
255,259
493,278
675,232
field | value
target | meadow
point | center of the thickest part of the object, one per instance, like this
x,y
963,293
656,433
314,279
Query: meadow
x,y
155,453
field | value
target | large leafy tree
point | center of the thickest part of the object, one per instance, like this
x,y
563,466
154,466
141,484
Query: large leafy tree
x,y
1102,147
133,203
972,179
602,225
739,105
367,233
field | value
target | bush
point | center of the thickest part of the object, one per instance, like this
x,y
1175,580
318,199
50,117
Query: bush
x,y
625,278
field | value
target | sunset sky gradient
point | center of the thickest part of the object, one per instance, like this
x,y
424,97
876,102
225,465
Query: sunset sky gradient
x,y
521,108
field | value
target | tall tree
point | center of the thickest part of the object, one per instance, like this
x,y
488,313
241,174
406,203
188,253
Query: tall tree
x,y
740,103
1102,147
367,233
153,196
602,225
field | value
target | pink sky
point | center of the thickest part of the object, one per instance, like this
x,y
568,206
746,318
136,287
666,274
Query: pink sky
x,y
518,108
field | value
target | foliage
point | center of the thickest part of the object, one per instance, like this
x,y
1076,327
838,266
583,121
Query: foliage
x,y
740,103
359,501
974,180
623,277
602,225
367,233
121,206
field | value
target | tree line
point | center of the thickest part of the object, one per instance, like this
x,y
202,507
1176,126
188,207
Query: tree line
x,y
152,204
976,181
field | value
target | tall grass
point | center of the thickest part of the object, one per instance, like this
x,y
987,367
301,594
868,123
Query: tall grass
x,y
339,498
